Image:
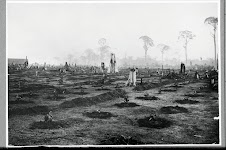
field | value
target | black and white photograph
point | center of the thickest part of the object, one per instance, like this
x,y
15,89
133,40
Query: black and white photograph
x,y
113,73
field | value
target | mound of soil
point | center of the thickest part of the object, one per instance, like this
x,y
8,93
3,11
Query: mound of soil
x,y
154,122
36,110
29,95
215,98
55,99
173,110
148,98
172,75
204,91
100,115
20,102
186,101
194,95
79,88
84,83
54,124
176,86
97,85
169,90
34,87
80,93
121,140
88,101
147,86
103,89
144,86
129,104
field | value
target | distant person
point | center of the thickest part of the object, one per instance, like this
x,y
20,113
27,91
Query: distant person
x,y
112,63
66,67
132,77
182,68
206,75
136,71
158,71
102,67
197,75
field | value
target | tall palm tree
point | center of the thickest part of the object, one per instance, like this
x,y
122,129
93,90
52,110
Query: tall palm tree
x,y
186,36
213,21
163,49
148,42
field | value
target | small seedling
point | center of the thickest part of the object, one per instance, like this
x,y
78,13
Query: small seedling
x,y
82,90
55,94
102,81
117,86
185,99
48,117
146,94
30,93
64,91
152,117
18,97
126,100
160,90
19,84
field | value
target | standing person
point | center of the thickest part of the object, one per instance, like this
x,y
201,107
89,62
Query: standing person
x,y
182,68
102,67
158,71
196,75
112,63
26,63
132,77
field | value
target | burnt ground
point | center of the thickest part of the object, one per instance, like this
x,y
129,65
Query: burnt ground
x,y
98,115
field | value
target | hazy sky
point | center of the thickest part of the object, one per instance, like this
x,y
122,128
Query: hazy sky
x,y
44,31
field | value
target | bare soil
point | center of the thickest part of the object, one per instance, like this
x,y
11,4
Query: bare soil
x,y
76,120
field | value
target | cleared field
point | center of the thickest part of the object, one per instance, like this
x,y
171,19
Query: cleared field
x,y
88,112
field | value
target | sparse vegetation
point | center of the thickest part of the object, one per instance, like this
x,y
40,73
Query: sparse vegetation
x,y
125,113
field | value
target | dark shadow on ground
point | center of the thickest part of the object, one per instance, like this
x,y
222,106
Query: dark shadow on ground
x,y
173,110
154,122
